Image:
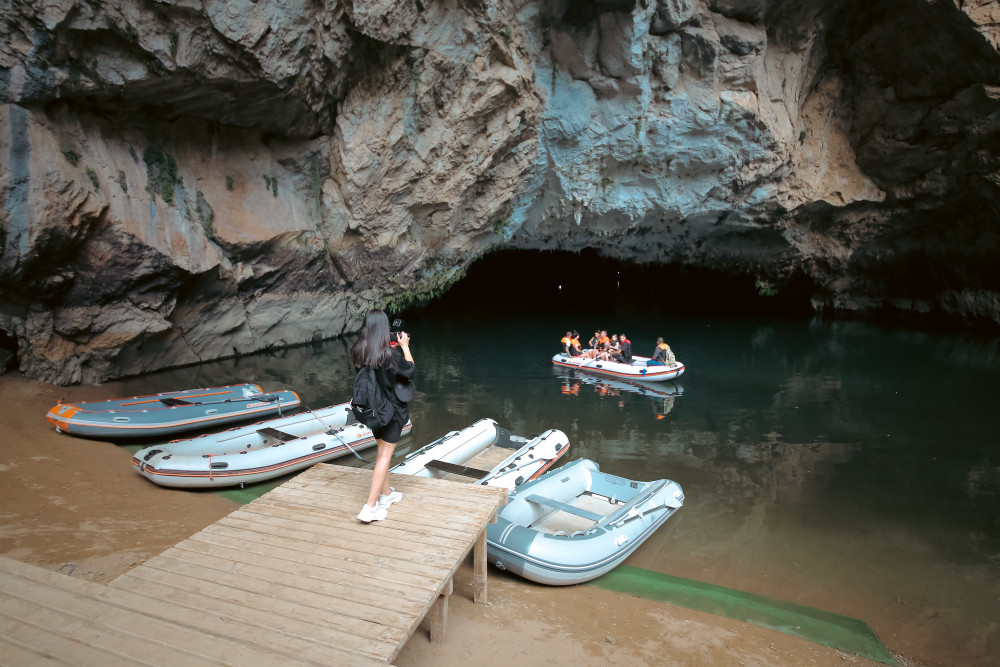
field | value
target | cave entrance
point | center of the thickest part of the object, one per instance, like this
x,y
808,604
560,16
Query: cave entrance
x,y
526,281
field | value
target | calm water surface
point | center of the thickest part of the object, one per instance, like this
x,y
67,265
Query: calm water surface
x,y
836,465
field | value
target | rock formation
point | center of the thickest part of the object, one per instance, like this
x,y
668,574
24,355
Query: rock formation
x,y
189,179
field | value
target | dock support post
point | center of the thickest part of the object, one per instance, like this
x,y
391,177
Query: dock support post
x,y
438,616
479,569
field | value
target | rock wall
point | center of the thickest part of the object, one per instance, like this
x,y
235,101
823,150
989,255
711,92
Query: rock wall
x,y
185,180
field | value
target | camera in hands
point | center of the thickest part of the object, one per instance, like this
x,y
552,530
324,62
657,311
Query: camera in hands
x,y
394,329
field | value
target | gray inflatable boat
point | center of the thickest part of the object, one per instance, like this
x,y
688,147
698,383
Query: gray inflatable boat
x,y
575,523
158,415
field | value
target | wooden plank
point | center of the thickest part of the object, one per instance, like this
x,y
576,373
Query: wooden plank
x,y
397,559
12,653
312,595
270,432
432,542
456,517
263,610
258,632
455,469
349,530
344,501
149,621
372,575
347,588
563,507
57,644
359,481
45,614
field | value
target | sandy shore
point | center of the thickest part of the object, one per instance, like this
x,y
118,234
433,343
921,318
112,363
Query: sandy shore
x,y
77,507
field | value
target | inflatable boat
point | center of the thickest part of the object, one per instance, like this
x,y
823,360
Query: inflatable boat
x,y
171,412
257,452
486,453
576,523
637,370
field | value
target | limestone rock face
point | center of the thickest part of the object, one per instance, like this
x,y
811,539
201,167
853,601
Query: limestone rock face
x,y
190,179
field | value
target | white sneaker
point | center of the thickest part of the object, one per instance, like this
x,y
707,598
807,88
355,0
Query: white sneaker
x,y
385,501
369,514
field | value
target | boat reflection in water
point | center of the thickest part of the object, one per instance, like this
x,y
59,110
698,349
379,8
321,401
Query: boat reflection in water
x,y
662,393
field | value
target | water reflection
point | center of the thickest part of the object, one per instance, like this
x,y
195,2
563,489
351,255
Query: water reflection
x,y
662,394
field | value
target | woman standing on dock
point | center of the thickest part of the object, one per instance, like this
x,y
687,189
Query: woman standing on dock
x,y
394,370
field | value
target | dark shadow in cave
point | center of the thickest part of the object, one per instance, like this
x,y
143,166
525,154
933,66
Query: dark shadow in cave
x,y
8,352
526,281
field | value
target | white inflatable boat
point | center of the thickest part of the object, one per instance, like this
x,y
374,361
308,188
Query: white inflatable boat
x,y
637,370
257,452
576,523
487,454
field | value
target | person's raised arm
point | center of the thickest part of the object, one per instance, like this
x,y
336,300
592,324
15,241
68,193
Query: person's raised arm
x,y
404,345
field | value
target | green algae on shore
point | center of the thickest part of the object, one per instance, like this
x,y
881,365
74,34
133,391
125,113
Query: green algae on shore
x,y
831,630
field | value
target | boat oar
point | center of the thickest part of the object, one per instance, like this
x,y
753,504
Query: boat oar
x,y
264,398
330,431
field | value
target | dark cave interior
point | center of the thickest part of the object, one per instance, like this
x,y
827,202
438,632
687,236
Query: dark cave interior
x,y
534,281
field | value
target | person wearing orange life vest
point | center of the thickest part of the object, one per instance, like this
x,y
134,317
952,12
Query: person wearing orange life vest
x,y
571,344
567,342
661,355
603,346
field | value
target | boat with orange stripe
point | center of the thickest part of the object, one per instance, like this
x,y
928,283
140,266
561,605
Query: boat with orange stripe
x,y
637,370
257,452
169,413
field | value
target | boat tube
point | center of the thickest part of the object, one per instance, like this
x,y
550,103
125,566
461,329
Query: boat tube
x,y
257,452
169,413
525,458
637,370
576,523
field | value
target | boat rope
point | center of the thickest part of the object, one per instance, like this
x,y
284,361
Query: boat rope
x,y
330,431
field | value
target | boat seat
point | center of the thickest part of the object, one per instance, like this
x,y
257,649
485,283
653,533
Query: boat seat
x,y
465,471
555,504
276,434
635,502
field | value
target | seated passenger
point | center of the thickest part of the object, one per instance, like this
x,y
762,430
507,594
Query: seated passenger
x,y
567,342
593,352
661,355
614,348
574,344
603,346
624,355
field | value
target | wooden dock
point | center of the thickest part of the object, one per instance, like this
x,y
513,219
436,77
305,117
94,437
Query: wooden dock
x,y
291,578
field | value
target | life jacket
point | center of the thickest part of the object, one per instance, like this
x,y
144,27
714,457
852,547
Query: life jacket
x,y
603,341
663,346
566,341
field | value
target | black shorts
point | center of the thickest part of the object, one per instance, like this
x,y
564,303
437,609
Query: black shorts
x,y
392,431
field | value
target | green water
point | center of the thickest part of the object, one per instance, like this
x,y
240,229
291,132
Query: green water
x,y
841,466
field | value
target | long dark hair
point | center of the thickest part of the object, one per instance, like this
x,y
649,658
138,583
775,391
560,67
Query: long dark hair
x,y
372,347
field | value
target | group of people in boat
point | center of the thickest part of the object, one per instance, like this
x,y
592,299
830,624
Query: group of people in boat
x,y
616,348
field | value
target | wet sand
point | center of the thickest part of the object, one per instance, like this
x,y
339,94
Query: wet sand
x,y
77,506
